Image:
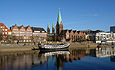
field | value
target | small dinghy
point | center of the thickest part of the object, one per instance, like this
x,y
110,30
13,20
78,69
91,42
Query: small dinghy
x,y
54,46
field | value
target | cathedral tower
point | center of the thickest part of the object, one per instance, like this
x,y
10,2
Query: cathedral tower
x,y
48,29
59,26
53,29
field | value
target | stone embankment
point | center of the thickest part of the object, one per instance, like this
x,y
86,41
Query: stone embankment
x,y
16,47
27,47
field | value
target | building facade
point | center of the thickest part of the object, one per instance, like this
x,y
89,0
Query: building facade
x,y
67,35
5,34
104,37
39,34
63,35
21,34
51,36
112,29
72,35
91,35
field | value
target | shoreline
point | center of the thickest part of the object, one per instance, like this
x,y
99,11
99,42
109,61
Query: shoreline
x,y
29,47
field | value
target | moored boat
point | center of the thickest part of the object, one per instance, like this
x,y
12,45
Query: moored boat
x,y
54,47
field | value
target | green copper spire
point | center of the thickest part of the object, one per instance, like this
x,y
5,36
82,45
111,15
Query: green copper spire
x,y
48,25
53,25
59,17
16,23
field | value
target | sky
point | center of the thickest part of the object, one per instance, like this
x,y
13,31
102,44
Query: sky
x,y
76,14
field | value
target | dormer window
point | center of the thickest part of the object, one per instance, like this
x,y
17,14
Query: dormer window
x,y
28,29
37,31
43,31
15,29
22,29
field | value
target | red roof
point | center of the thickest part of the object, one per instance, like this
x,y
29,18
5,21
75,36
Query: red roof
x,y
9,30
3,25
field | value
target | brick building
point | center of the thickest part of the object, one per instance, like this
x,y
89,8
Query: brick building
x,y
90,34
39,34
51,36
21,34
64,35
72,35
5,34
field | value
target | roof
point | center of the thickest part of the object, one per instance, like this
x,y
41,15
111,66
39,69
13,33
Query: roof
x,y
63,31
74,31
59,20
9,30
5,27
1,24
19,26
37,29
53,25
48,26
112,26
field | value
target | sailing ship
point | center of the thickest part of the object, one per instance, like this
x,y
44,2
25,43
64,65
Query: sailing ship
x,y
54,47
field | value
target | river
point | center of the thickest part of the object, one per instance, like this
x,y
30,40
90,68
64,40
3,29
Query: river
x,y
73,59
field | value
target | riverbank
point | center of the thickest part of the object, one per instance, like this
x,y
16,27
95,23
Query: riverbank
x,y
28,47
16,47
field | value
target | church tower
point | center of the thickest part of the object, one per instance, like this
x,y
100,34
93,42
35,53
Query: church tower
x,y
48,29
59,26
53,29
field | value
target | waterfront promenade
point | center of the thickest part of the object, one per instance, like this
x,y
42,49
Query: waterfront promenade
x,y
27,47
16,47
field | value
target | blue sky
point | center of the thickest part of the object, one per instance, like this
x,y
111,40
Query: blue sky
x,y
76,14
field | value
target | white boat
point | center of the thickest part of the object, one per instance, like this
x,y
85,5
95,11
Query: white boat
x,y
54,46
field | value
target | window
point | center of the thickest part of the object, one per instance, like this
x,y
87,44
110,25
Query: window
x,y
36,31
5,32
28,29
9,33
5,29
22,29
15,29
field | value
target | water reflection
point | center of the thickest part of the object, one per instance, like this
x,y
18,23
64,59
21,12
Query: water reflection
x,y
34,60
105,52
17,60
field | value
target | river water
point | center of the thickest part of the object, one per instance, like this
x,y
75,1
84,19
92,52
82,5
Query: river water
x,y
73,59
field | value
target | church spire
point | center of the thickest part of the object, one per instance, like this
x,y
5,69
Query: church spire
x,y
48,29
59,20
53,29
48,26
53,25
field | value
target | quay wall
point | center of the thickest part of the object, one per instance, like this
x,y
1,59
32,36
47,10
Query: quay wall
x,y
16,47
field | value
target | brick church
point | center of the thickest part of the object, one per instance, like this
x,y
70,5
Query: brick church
x,y
63,35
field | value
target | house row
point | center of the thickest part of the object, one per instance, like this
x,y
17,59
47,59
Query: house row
x,y
20,34
5,33
72,35
105,37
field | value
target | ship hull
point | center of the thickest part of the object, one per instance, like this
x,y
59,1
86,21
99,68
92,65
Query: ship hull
x,y
54,48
